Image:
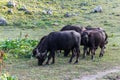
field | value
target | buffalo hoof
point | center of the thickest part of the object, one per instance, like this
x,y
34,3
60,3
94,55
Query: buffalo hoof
x,y
52,63
47,63
70,62
88,53
83,57
39,64
92,58
75,62
101,55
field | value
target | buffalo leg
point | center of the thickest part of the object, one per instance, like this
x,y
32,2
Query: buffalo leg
x,y
78,54
73,55
101,52
59,52
66,52
93,53
88,51
84,51
39,62
49,57
53,56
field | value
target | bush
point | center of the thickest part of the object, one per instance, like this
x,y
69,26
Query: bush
x,y
6,76
19,48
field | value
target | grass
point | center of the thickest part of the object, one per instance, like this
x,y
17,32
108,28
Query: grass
x,y
28,68
38,19
39,24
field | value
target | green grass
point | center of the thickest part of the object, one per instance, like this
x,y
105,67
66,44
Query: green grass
x,y
38,19
39,24
61,69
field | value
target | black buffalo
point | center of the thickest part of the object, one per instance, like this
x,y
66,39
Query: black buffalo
x,y
58,51
62,40
93,39
90,29
81,30
70,27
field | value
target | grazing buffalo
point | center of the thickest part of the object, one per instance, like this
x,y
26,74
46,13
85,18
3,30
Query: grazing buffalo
x,y
58,51
89,29
70,27
62,40
81,30
93,39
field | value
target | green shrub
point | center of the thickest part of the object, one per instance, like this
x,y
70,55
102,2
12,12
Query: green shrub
x,y
6,76
19,48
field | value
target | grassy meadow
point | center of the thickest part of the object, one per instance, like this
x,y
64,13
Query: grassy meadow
x,y
38,23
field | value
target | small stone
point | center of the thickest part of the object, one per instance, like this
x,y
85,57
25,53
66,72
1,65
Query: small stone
x,y
67,15
11,4
23,8
10,11
3,21
50,12
84,4
55,24
28,12
117,15
98,9
75,14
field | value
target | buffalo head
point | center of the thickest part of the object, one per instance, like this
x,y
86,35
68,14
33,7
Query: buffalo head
x,y
85,38
41,56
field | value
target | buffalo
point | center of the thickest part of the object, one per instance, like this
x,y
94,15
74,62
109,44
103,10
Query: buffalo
x,y
61,40
93,39
81,30
70,27
90,29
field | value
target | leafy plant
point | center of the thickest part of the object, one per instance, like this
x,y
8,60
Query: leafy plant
x,y
18,47
6,76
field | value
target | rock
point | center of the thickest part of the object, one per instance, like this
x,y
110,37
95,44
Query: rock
x,y
10,11
75,14
67,15
4,7
3,21
62,6
50,12
11,4
117,15
71,14
84,4
23,8
98,9
55,24
83,8
28,12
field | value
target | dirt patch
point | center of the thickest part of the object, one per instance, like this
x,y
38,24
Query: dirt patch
x,y
99,74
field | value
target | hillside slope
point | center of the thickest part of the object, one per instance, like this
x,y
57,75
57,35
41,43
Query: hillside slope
x,y
49,13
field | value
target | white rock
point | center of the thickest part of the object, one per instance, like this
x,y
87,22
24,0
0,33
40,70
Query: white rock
x,y
98,9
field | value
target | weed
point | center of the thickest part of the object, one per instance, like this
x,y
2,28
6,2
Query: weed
x,y
19,47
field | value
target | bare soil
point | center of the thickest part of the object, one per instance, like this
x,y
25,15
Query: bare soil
x,y
99,75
